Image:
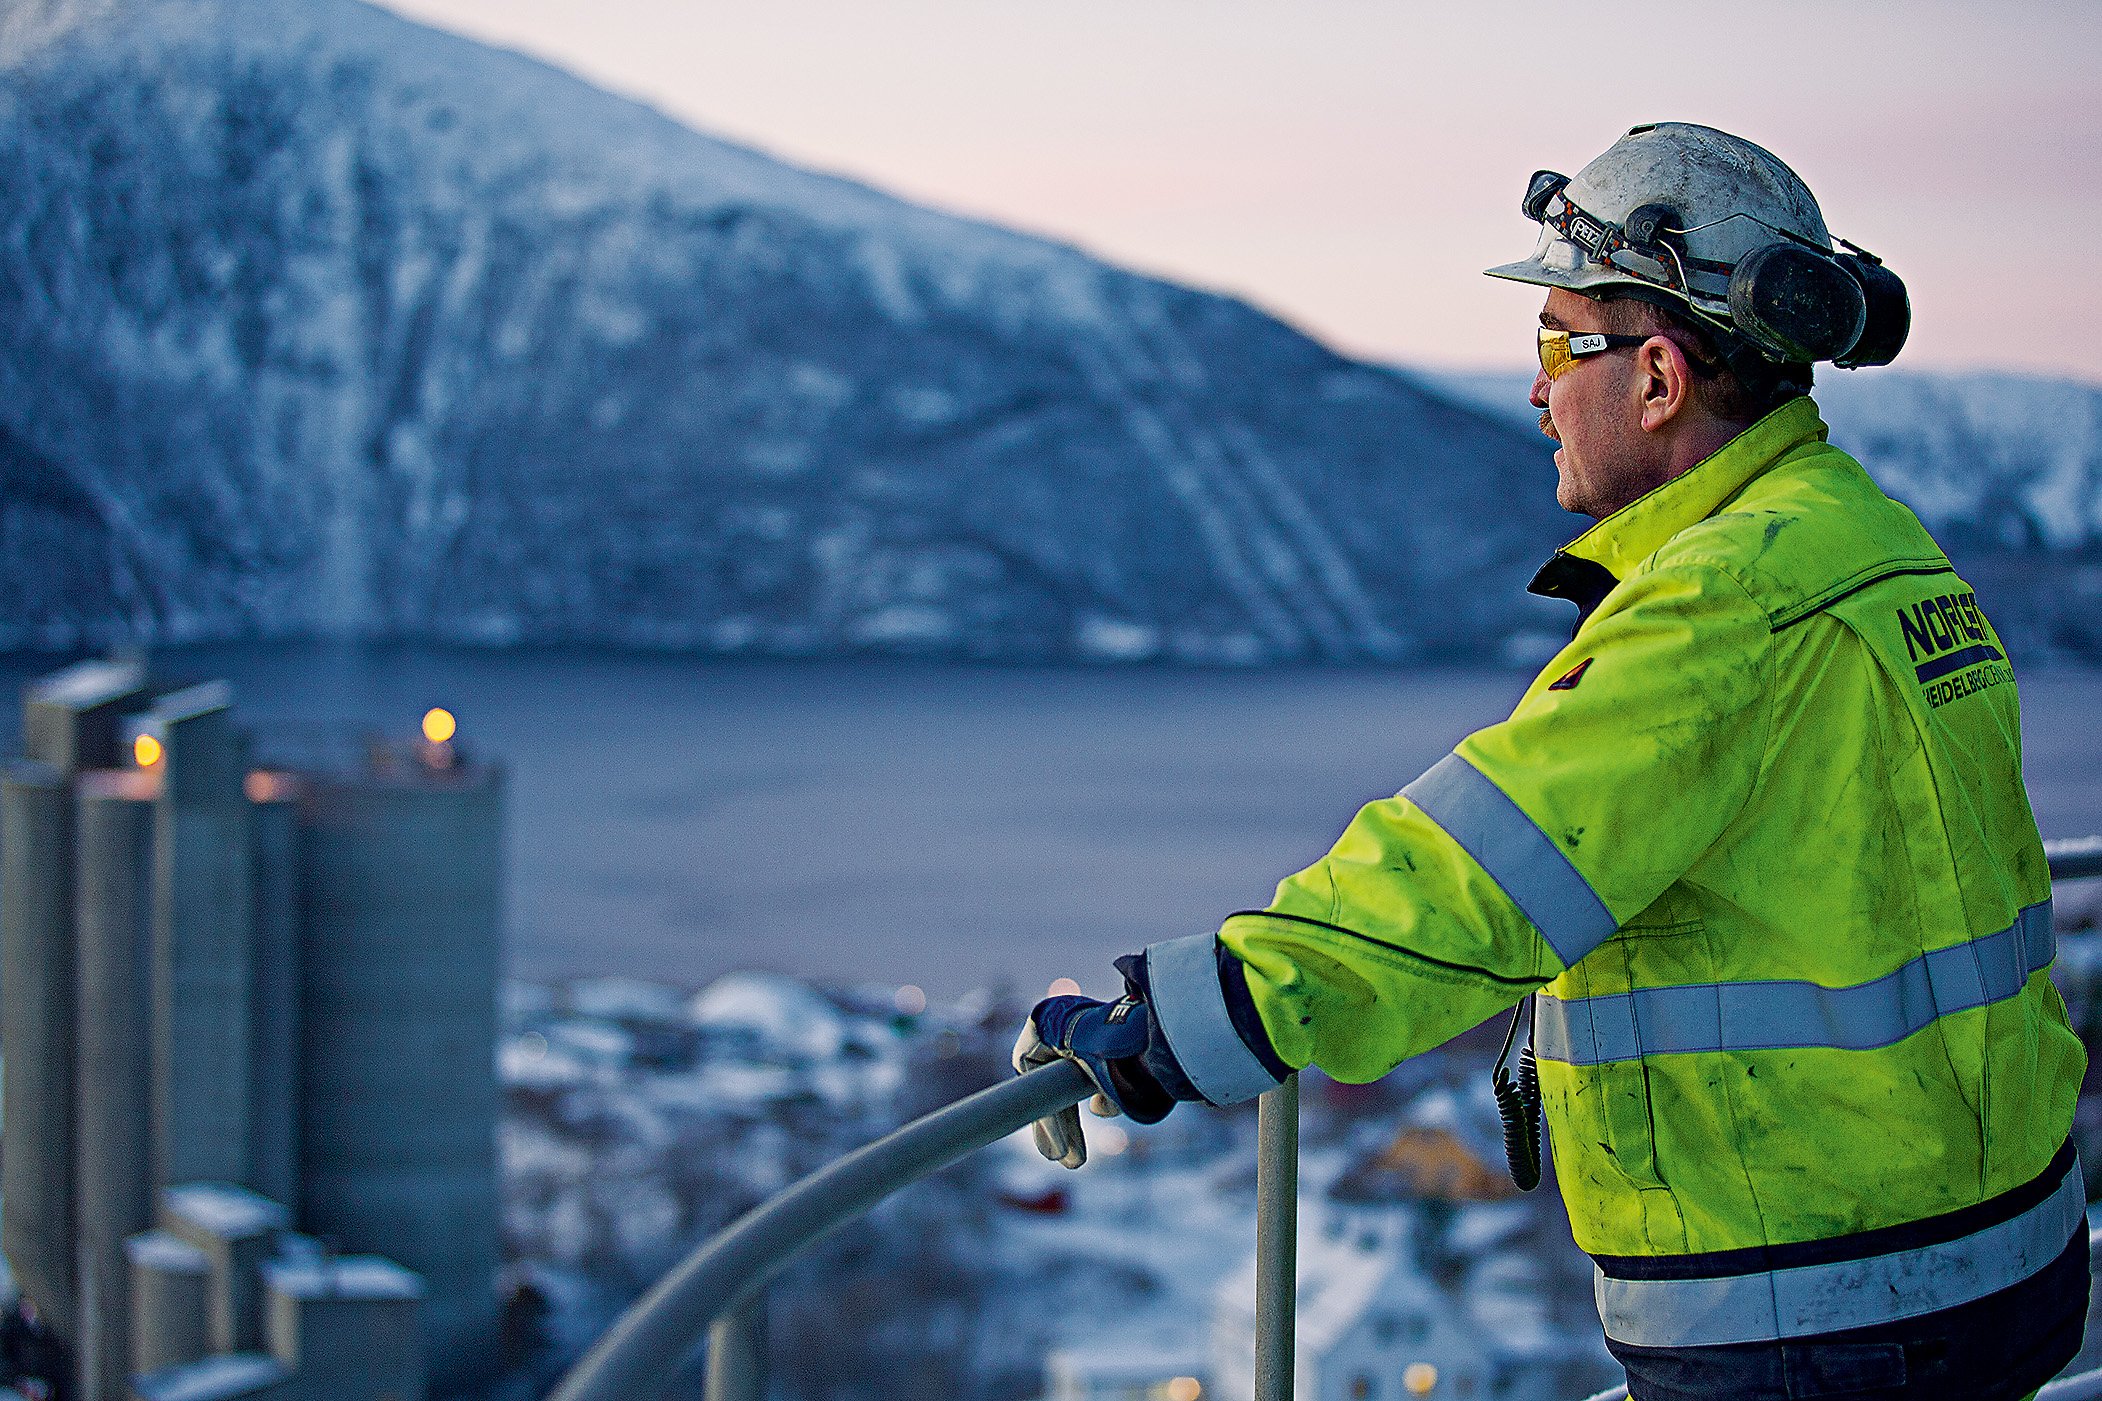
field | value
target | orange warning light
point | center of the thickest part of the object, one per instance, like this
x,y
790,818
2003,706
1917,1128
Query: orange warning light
x,y
439,725
146,751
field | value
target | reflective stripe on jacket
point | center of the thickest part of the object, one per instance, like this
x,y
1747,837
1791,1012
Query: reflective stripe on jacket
x,y
1759,833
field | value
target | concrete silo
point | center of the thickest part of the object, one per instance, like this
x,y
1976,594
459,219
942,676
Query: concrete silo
x,y
400,914
36,1008
113,1120
70,721
273,1122
203,954
220,980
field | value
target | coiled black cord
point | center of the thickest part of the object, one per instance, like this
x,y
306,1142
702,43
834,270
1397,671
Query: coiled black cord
x,y
1518,1102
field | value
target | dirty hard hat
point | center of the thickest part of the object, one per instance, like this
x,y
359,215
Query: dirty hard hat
x,y
1708,223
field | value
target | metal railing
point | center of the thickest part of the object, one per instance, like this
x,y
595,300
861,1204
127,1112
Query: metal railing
x,y
1277,1242
646,1346
2073,857
2085,1387
714,1289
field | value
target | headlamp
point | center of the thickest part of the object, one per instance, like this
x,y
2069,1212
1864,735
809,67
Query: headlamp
x,y
1544,185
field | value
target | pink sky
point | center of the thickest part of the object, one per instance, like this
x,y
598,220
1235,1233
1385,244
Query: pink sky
x,y
1352,165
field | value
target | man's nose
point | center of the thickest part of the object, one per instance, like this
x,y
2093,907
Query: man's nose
x,y
1539,394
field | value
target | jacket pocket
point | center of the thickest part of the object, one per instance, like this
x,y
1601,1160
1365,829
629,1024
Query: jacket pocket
x,y
1651,955
1604,1125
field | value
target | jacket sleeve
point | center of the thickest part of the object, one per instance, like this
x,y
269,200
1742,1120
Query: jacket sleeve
x,y
1512,857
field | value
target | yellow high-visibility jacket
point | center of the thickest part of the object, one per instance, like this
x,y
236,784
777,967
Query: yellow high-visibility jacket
x,y
1759,836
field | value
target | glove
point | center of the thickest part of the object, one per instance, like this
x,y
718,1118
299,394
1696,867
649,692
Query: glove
x,y
1106,1039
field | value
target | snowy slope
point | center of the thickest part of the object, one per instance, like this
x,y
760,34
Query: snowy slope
x,y
323,322
2005,469
1987,458
2005,459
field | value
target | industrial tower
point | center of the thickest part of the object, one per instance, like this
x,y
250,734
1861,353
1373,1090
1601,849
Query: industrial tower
x,y
248,1016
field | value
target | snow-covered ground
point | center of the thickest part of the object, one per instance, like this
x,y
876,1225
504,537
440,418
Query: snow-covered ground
x,y
640,1119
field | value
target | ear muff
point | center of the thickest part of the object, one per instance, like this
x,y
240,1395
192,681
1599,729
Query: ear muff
x,y
1796,304
1889,313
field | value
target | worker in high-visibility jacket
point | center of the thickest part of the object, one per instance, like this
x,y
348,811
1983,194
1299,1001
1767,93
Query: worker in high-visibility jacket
x,y
1754,844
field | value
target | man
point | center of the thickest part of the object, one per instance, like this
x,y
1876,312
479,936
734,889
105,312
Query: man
x,y
1757,836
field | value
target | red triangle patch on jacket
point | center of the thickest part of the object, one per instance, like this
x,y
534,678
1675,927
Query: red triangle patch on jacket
x,y
1570,678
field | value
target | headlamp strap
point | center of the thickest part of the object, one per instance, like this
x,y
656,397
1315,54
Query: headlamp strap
x,y
1649,258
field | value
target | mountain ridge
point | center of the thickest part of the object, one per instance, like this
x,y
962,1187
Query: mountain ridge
x,y
1997,457
2005,468
354,328
326,323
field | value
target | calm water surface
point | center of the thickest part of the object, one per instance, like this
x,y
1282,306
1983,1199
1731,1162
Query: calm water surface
x,y
945,825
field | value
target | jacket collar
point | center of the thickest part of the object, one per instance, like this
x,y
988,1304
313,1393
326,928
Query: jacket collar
x,y
1615,545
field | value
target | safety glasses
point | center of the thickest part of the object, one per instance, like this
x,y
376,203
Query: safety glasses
x,y
1561,349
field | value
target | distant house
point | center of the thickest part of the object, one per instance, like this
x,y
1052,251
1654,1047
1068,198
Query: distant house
x,y
1425,1163
1423,1272
768,1018
1124,1371
1372,1327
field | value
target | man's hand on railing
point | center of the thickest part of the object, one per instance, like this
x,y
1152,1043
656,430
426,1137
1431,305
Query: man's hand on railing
x,y
1107,1040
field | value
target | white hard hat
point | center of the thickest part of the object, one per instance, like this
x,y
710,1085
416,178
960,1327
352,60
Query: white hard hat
x,y
1702,220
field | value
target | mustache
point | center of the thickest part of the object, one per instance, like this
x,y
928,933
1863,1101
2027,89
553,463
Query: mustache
x,y
1547,426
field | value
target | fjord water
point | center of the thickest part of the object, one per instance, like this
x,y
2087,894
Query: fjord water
x,y
949,825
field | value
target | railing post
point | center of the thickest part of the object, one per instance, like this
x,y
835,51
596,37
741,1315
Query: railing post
x,y
737,1353
1276,1240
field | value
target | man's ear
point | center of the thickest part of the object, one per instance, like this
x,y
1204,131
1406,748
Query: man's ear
x,y
1665,380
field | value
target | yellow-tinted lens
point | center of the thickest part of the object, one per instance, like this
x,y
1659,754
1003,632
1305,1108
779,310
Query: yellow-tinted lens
x,y
1554,352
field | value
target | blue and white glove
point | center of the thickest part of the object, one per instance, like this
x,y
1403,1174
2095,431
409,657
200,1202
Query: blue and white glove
x,y
1107,1040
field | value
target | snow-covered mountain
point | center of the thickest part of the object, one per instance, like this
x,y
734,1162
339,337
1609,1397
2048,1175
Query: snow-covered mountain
x,y
319,321
1987,459
2006,469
